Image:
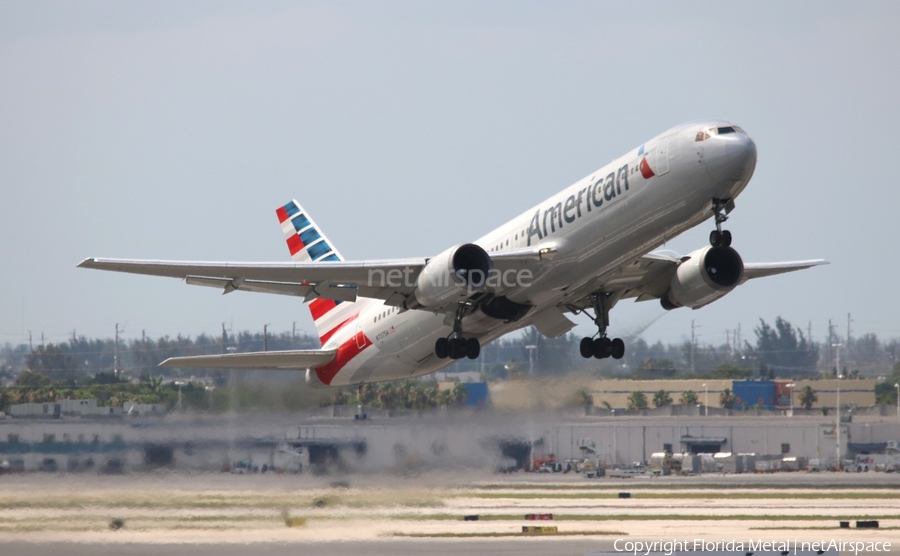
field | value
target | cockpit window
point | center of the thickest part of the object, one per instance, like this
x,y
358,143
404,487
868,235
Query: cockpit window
x,y
707,133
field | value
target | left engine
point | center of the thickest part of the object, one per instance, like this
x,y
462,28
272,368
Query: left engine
x,y
705,276
452,276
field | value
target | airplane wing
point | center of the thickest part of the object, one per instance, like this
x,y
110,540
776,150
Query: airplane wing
x,y
273,360
649,277
340,281
389,280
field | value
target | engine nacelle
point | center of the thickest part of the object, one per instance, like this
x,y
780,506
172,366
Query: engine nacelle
x,y
453,276
706,275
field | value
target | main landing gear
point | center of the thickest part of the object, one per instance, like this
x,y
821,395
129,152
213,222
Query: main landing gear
x,y
720,237
457,346
599,345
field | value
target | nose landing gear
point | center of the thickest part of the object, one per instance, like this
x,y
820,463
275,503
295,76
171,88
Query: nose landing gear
x,y
456,346
720,237
600,346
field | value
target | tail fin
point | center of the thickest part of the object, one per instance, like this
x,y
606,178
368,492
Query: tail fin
x,y
306,243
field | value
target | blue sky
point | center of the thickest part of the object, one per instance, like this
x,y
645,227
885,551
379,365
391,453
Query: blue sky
x,y
174,129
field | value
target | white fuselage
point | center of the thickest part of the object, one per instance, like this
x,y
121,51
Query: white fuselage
x,y
599,224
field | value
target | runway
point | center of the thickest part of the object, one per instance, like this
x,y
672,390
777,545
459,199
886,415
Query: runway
x,y
517,547
224,514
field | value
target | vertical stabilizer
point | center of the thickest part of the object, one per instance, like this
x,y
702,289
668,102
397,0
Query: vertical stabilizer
x,y
308,244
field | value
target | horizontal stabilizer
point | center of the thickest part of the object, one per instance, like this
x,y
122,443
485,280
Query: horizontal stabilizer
x,y
273,360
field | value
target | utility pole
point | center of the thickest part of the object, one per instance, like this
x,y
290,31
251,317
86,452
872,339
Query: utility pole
x,y
30,346
830,343
693,343
838,408
728,341
294,335
265,337
849,320
224,338
116,351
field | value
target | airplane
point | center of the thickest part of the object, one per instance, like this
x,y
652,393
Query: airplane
x,y
581,251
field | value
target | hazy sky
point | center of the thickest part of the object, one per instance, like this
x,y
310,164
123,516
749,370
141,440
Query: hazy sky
x,y
174,129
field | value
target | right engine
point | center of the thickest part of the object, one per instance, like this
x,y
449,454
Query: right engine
x,y
705,276
452,276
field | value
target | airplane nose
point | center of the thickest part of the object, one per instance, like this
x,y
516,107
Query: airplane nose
x,y
741,151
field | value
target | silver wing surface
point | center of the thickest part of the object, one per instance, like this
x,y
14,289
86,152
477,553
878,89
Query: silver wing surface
x,y
389,280
650,276
341,281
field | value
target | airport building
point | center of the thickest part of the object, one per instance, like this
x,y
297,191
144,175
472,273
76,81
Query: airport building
x,y
324,440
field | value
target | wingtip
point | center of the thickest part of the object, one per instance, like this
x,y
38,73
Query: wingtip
x,y
86,263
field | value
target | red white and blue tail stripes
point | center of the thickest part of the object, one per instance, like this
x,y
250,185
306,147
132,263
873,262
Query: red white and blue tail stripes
x,y
334,320
305,242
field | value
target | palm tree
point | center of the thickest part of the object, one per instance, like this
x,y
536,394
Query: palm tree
x,y
688,397
637,400
808,397
459,394
727,399
387,396
661,398
583,397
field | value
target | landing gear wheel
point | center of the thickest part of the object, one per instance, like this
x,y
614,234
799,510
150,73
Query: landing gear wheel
x,y
725,239
442,348
473,348
587,348
720,237
457,349
617,349
602,347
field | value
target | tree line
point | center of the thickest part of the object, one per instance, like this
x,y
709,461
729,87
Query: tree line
x,y
727,399
83,366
